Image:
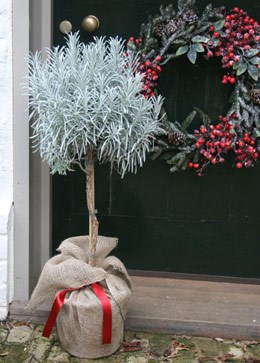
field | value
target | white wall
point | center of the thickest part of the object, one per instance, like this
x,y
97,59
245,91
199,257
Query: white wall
x,y
6,156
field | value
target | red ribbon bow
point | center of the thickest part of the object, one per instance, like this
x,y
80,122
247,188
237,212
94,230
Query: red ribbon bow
x,y
106,307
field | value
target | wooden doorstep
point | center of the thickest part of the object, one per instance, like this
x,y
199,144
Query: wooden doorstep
x,y
176,306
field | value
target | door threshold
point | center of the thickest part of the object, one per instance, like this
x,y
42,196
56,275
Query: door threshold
x,y
182,307
197,277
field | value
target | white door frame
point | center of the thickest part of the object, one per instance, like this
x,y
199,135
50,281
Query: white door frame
x,y
31,30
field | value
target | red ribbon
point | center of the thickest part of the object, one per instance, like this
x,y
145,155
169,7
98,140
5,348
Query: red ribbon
x,y
106,307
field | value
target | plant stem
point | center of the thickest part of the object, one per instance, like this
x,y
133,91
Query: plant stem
x,y
93,221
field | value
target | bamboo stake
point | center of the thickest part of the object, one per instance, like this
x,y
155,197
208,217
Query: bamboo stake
x,y
93,221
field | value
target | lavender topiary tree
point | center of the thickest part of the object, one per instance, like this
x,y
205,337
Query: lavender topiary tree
x,y
86,106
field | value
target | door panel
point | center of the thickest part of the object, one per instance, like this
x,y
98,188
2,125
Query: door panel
x,y
166,222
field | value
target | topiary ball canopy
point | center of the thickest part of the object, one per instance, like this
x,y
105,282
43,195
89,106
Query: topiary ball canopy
x,y
86,97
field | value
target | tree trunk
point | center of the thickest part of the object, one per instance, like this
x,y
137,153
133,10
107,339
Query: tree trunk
x,y
93,222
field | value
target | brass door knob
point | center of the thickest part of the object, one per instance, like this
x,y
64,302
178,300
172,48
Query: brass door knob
x,y
65,26
90,23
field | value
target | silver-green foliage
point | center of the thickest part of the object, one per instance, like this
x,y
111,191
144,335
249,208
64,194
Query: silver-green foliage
x,y
88,97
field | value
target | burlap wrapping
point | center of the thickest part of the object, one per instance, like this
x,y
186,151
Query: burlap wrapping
x,y
79,322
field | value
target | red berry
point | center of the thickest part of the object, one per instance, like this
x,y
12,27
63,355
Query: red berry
x,y
158,58
211,28
223,144
196,166
241,143
225,58
239,165
190,165
131,39
216,34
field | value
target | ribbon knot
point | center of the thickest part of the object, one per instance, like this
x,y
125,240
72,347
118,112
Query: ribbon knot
x,y
106,307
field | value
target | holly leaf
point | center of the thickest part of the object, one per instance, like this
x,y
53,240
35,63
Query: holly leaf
x,y
256,133
219,24
200,39
235,65
215,42
251,53
253,72
241,68
198,47
255,60
182,50
192,56
222,34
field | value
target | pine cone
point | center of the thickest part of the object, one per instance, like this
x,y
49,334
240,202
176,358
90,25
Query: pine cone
x,y
174,24
159,30
190,16
177,138
255,95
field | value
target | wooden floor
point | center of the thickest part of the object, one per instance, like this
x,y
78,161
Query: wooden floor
x,y
175,306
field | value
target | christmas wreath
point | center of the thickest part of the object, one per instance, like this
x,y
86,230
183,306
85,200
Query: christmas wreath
x,y
232,36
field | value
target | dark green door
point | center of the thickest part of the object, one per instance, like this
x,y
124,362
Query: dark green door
x,y
166,222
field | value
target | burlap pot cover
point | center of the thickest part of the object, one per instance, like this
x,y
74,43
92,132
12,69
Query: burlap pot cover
x,y
79,322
